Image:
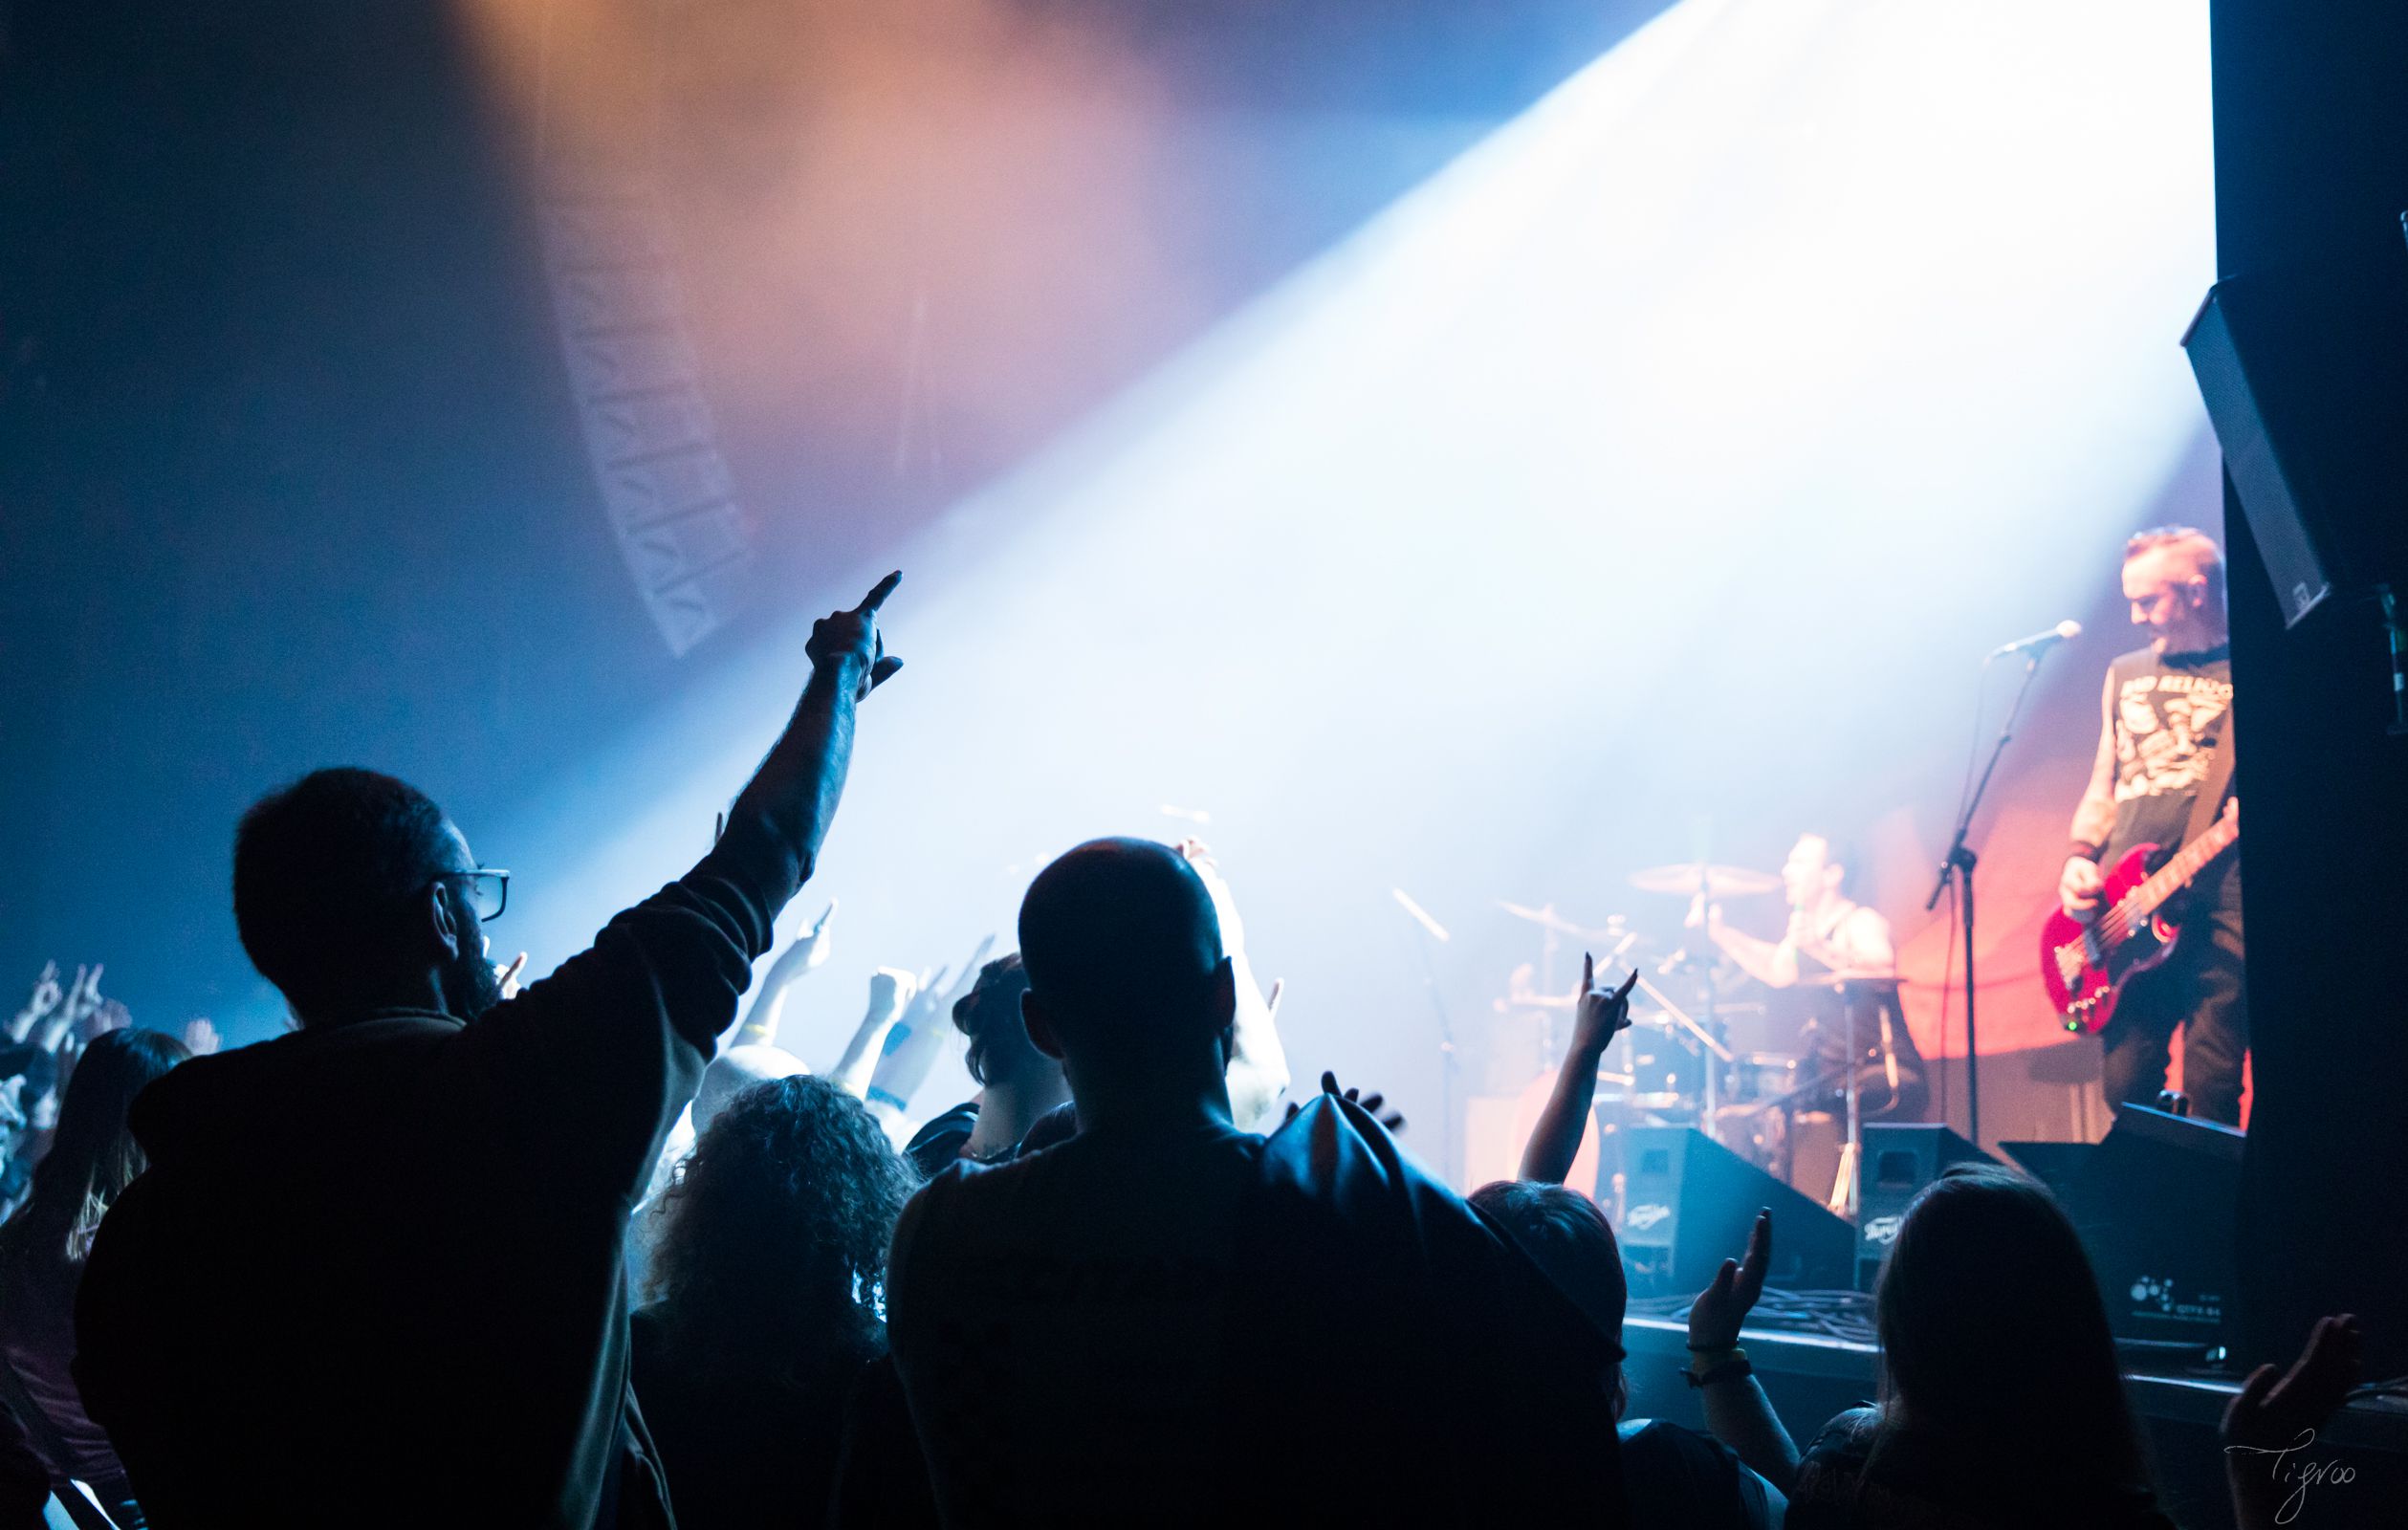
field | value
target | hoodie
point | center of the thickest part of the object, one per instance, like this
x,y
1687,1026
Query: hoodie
x,y
372,1275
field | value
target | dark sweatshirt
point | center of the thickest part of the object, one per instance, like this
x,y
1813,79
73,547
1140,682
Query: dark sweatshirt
x,y
372,1275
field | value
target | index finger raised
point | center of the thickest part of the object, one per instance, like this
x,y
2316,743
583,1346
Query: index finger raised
x,y
876,597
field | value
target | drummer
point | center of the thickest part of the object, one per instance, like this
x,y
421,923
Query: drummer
x,y
1842,949
1828,932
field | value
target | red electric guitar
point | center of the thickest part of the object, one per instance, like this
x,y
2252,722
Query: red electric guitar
x,y
2086,965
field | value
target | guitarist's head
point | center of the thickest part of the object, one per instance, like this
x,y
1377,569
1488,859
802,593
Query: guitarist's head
x,y
2175,578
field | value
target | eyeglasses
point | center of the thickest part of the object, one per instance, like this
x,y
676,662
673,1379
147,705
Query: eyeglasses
x,y
489,890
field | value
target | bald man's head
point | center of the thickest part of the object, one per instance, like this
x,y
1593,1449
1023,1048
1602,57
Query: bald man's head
x,y
1123,953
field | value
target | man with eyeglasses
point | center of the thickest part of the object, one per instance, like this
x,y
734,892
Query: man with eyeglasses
x,y
372,1274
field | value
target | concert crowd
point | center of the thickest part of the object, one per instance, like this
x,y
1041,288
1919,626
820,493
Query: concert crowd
x,y
600,1252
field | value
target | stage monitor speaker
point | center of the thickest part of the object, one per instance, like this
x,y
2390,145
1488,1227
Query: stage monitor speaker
x,y
1689,1202
2303,371
1897,1161
2155,1204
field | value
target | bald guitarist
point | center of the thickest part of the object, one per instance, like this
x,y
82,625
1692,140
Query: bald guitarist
x,y
2165,740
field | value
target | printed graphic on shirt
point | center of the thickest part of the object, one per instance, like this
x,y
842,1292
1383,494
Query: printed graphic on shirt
x,y
2160,717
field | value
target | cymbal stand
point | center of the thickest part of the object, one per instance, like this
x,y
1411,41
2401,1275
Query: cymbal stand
x,y
1449,1055
1843,1197
1717,1057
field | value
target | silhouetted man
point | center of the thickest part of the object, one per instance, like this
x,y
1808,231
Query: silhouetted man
x,y
1165,1320
372,1275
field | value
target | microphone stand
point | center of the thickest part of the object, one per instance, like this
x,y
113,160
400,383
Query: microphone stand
x,y
1451,1147
1958,866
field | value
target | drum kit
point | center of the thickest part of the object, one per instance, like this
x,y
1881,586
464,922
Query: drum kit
x,y
1676,1064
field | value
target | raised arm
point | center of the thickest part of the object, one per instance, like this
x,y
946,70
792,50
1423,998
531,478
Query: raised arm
x,y
1555,1141
47,995
1773,965
593,1062
797,787
2270,1425
890,989
810,949
1737,1412
918,1039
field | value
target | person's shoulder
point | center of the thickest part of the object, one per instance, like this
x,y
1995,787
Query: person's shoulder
x,y
1661,1443
955,1198
954,1226
960,1118
1848,1435
1831,1470
939,1143
1664,1433
1664,1460
246,1095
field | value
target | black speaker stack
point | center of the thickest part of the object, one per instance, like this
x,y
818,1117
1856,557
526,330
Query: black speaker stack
x,y
1688,1203
2154,1203
1897,1162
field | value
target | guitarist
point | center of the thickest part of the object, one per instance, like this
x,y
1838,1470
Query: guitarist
x,y
2164,764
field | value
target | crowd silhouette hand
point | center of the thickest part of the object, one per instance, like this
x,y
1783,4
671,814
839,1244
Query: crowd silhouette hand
x,y
83,995
1721,1308
1600,1013
109,1015
1374,1103
46,995
508,976
80,1001
200,1035
2273,1413
891,988
963,980
853,635
813,944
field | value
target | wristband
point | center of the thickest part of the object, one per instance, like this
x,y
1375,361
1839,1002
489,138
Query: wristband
x,y
884,1097
1738,1369
2084,850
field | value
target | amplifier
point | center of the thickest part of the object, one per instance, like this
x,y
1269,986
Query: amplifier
x,y
1895,1163
1688,1204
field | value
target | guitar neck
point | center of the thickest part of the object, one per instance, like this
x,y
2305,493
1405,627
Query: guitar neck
x,y
2176,874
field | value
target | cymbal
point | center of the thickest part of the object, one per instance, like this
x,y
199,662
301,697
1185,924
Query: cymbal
x,y
1689,879
1547,918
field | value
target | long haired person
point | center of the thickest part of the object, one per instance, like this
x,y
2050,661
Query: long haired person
x,y
768,1256
42,1250
2002,1401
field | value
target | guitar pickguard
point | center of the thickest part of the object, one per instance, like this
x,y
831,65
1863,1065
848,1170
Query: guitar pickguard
x,y
2086,973
2083,968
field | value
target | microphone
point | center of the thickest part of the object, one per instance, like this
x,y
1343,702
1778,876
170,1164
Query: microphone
x,y
2039,640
